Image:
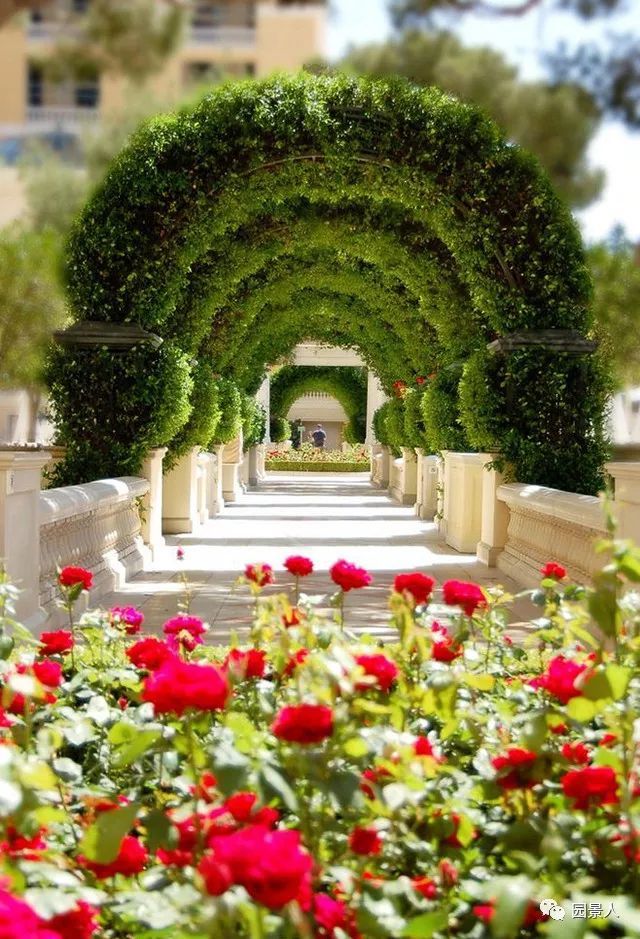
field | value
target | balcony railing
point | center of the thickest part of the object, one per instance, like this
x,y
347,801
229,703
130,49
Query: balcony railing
x,y
244,36
61,118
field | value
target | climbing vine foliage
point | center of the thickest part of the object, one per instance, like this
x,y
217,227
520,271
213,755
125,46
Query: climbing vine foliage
x,y
373,215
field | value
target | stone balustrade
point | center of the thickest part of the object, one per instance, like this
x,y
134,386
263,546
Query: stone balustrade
x,y
548,524
97,526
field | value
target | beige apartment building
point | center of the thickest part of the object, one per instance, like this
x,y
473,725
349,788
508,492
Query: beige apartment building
x,y
223,38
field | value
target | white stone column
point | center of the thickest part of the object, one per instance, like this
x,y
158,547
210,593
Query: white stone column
x,y
463,500
152,501
385,467
409,476
203,476
231,462
261,455
442,489
218,498
495,515
180,508
419,481
20,480
626,506
429,498
375,398
263,397
252,460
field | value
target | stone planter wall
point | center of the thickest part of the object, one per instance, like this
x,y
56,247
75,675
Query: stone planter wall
x,y
96,526
550,525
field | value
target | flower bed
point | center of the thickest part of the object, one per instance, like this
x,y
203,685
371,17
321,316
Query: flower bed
x,y
353,459
309,783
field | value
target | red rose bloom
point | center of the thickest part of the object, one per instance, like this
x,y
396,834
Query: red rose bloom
x,y
553,571
250,663
444,647
260,574
294,660
70,576
293,618
299,566
371,778
591,786
349,577
466,595
513,768
270,865
419,586
184,631
149,653
303,723
128,617
131,860
379,667
177,686
79,923
18,845
422,747
426,886
559,678
216,876
365,841
331,914
56,643
48,673
576,753
448,872
19,921
486,912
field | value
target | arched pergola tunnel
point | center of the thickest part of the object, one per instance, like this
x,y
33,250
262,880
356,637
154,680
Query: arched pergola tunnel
x,y
374,216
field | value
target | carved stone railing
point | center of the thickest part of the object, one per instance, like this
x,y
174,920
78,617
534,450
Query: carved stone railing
x,y
96,526
550,525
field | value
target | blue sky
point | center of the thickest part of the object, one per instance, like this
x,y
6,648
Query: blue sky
x,y
614,149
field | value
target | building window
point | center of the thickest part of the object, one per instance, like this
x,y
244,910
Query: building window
x,y
210,15
79,6
87,93
35,86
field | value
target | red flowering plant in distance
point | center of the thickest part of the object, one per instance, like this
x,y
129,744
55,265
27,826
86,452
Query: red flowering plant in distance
x,y
309,782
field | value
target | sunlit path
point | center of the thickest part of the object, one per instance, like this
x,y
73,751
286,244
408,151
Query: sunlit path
x,y
324,516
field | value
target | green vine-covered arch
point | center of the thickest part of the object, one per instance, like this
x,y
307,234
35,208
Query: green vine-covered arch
x,y
374,215
347,384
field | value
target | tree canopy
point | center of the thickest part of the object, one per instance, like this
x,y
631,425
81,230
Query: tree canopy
x,y
554,122
607,68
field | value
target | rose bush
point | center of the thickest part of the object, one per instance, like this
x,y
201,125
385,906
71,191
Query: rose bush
x,y
309,783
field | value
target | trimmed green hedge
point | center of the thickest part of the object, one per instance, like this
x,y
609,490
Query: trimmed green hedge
x,y
296,467
367,214
279,429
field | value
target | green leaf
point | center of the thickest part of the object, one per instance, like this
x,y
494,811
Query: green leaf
x,y
424,926
603,603
38,776
230,767
243,730
274,785
160,832
580,709
142,742
102,840
343,788
356,748
618,677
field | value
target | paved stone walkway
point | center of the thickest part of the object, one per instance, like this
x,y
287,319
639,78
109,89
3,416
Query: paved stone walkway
x,y
323,516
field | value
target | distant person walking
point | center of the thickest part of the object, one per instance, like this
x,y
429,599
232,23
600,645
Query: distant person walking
x,y
319,437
